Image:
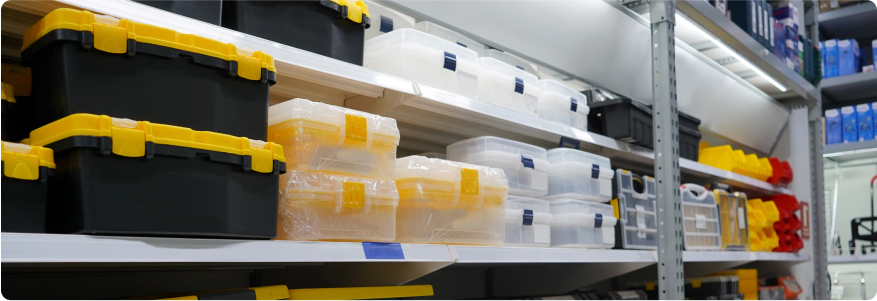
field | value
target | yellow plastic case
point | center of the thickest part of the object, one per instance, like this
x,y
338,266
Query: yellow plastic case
x,y
361,293
25,172
447,202
120,176
735,228
276,292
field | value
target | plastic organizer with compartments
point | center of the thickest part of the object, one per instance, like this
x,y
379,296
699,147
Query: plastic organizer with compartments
x,y
700,218
636,211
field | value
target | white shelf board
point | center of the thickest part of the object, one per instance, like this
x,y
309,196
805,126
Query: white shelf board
x,y
478,254
730,256
870,258
58,248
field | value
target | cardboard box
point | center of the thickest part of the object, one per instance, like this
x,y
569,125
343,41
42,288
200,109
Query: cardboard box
x,y
831,58
850,125
848,57
744,14
865,118
829,5
833,127
779,44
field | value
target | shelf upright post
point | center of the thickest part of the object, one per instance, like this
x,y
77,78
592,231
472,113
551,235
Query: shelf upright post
x,y
671,281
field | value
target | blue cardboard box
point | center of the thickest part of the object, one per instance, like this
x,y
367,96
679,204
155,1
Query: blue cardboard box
x,y
874,53
779,43
831,58
833,127
787,15
850,125
865,118
847,57
822,60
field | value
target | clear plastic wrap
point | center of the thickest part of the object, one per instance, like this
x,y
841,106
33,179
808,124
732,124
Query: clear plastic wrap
x,y
447,202
321,206
326,138
732,211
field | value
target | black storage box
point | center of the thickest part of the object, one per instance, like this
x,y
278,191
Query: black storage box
x,y
689,137
24,184
123,177
8,113
209,11
157,74
18,105
333,28
622,119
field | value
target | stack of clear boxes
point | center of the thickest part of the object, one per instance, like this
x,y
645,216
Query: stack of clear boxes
x,y
563,104
527,222
424,59
637,228
700,218
341,164
452,36
447,202
732,213
581,224
525,166
513,60
579,175
507,86
385,19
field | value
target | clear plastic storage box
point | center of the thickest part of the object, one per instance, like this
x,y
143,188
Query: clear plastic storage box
x,y
321,206
513,60
580,224
700,218
425,59
507,86
732,215
452,36
579,175
525,166
326,138
527,222
563,104
638,228
446,202
385,19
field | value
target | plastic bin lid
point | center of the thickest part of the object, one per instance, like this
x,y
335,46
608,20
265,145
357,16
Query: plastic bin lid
x,y
386,19
550,85
130,138
492,64
569,155
351,192
696,194
461,149
7,92
413,36
518,202
444,170
23,162
115,33
348,119
513,60
561,206
452,36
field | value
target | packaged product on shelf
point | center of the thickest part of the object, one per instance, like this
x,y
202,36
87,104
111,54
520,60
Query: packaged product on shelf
x,y
636,211
563,104
775,292
19,106
452,36
169,187
834,132
413,55
580,224
711,288
507,86
26,170
831,58
864,117
874,53
623,119
513,60
822,59
385,20
732,212
326,138
209,11
700,217
527,222
850,124
446,202
145,73
725,158
743,13
322,206
525,166
779,40
331,28
848,57
574,174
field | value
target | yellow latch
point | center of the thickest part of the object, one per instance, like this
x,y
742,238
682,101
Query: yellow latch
x,y
261,157
355,9
109,36
8,92
129,136
353,195
615,208
469,181
695,283
356,128
22,161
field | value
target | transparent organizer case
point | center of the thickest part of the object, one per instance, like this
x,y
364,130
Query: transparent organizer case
x,y
638,227
509,87
452,36
527,222
321,206
385,19
513,60
700,218
525,166
320,137
579,175
580,224
424,59
732,213
563,105
446,202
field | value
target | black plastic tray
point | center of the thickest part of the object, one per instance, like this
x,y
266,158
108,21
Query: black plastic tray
x,y
24,203
622,119
689,137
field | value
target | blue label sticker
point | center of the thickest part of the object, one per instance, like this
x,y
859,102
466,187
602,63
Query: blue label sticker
x,y
382,250
573,104
519,85
386,24
598,221
527,161
595,171
450,61
569,142
528,217
461,44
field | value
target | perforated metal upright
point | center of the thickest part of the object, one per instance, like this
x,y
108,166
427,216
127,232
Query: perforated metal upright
x,y
671,281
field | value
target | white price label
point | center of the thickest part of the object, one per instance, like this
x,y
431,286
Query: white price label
x,y
542,234
538,180
640,217
700,221
741,218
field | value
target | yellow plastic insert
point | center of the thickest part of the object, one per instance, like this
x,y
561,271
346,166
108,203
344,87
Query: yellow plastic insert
x,y
130,137
112,35
733,218
8,92
355,9
22,161
359,293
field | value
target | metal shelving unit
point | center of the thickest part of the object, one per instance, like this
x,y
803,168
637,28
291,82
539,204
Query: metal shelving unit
x,y
849,22
853,88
